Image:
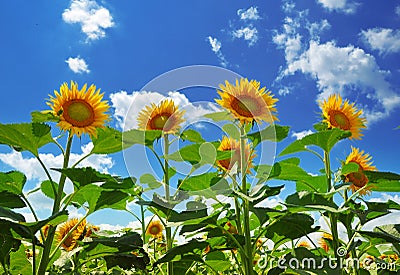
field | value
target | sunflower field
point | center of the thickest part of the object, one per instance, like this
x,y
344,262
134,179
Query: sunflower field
x,y
207,221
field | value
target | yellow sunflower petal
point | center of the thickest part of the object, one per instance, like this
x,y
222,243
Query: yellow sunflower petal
x,y
343,115
80,111
165,117
247,102
155,229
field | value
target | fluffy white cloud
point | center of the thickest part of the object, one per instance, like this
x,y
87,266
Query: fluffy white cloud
x,y
77,65
248,33
397,11
336,68
127,106
381,39
249,14
339,5
216,48
93,18
33,170
300,135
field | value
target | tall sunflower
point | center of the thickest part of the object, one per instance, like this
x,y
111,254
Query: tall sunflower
x,y
359,179
81,231
80,111
247,102
155,229
165,117
343,115
324,241
230,144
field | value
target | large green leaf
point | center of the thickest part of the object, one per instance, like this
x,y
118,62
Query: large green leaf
x,y
86,175
311,201
12,181
192,135
11,200
130,241
194,247
208,184
127,261
220,116
272,133
107,141
205,153
25,136
19,263
324,139
9,214
383,181
45,116
375,210
48,188
134,136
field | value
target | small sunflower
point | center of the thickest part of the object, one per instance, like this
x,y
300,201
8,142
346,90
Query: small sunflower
x,y
323,242
359,179
231,228
165,117
80,111
155,229
304,244
81,231
45,232
343,115
230,144
247,102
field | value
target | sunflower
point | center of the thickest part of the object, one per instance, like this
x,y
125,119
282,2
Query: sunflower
x,y
81,231
230,144
247,102
80,111
165,117
155,229
231,228
304,244
323,242
45,232
359,179
343,115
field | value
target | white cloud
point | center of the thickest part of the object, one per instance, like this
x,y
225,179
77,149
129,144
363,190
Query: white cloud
x,y
383,40
300,135
397,11
33,171
336,68
284,91
249,14
93,18
248,33
128,106
77,65
339,5
216,48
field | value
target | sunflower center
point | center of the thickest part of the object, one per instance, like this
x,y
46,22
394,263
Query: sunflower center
x,y
78,112
358,179
340,120
246,106
159,122
154,230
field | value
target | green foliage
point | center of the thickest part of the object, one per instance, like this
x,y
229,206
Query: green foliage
x,y
274,133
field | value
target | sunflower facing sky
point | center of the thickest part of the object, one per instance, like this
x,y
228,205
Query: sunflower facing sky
x,y
230,144
80,111
81,231
359,179
247,102
165,117
343,115
155,229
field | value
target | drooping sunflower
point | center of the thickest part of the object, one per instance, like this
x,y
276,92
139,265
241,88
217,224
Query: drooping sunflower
x,y
155,229
323,242
81,231
230,144
304,244
165,117
247,102
343,115
80,111
359,179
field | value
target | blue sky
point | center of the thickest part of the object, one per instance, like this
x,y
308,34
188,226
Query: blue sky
x,y
301,50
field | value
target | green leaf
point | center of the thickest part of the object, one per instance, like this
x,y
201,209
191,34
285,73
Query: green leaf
x,y
232,131
150,180
112,199
19,262
128,242
44,116
200,154
324,139
22,136
147,138
7,213
40,129
192,247
12,181
126,261
375,210
11,200
86,175
311,200
349,168
203,182
192,135
274,133
107,141
47,189
219,116
383,181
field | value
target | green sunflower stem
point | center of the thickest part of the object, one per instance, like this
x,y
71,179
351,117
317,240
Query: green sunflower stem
x,y
45,259
246,205
168,232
